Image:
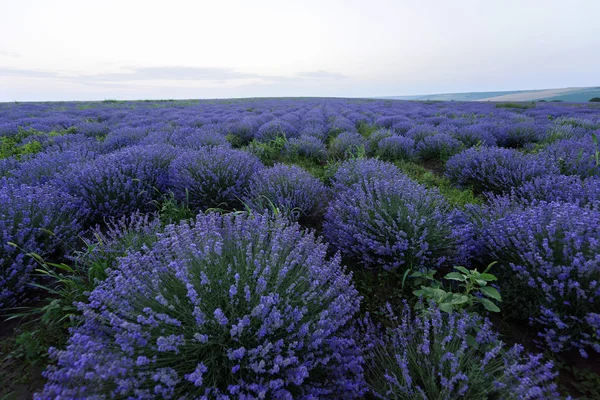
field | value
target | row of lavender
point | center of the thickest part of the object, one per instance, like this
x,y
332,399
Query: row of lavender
x,y
287,314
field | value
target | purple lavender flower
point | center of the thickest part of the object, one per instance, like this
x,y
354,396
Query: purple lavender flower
x,y
574,157
274,129
473,135
124,137
122,182
495,169
346,145
392,223
351,172
549,256
44,166
290,189
38,219
449,365
212,176
306,146
438,146
561,188
396,148
296,339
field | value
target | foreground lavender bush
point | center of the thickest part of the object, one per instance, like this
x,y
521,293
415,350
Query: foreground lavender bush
x,y
225,306
440,355
38,219
549,257
392,223
495,169
290,189
212,176
122,182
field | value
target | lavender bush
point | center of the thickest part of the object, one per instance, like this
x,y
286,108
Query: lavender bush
x,y
561,188
306,146
439,146
373,139
212,177
550,259
439,355
346,145
361,171
38,219
396,148
223,307
289,189
44,166
274,129
574,157
474,135
495,169
124,137
122,182
392,223
197,138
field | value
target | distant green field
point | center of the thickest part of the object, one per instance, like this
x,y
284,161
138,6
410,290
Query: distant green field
x,y
469,96
582,96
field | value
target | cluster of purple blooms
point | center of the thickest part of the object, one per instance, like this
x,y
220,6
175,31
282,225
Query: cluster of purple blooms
x,y
550,254
287,189
391,222
33,219
276,313
211,176
495,169
437,355
223,307
306,146
346,145
121,182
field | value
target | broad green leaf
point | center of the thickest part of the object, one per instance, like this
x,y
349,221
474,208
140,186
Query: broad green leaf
x,y
488,277
489,305
460,299
480,282
463,270
491,292
446,307
455,276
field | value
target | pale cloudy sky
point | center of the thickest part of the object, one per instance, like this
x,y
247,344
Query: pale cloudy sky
x,y
95,50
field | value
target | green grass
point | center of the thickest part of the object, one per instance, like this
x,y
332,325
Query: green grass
x,y
365,129
13,145
518,105
456,197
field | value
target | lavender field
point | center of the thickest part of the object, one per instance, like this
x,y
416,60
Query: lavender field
x,y
308,248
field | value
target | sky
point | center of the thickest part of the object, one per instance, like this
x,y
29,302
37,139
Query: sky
x,y
127,49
